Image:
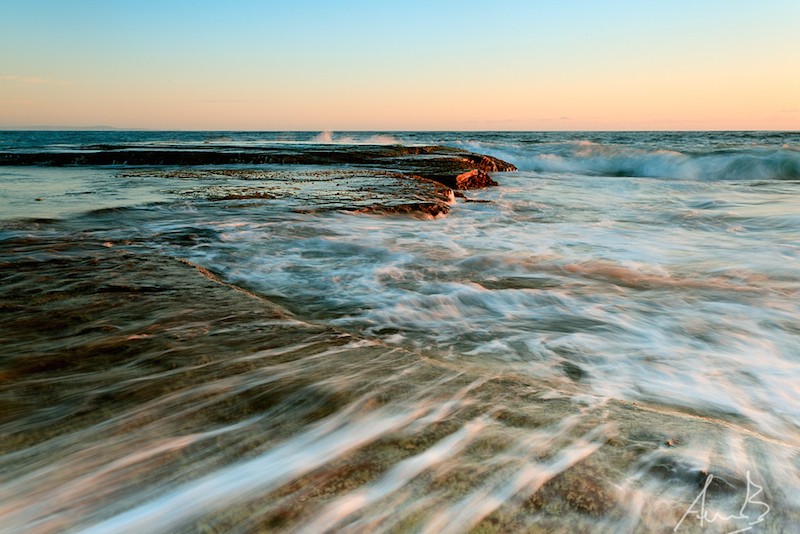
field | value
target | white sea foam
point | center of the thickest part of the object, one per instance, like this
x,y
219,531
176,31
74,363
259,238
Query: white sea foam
x,y
596,159
584,282
640,283
328,137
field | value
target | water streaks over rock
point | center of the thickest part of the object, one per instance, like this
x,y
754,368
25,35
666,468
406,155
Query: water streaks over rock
x,y
209,408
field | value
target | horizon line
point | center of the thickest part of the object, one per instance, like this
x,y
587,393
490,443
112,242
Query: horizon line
x,y
105,128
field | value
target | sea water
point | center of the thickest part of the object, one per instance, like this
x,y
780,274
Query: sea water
x,y
616,281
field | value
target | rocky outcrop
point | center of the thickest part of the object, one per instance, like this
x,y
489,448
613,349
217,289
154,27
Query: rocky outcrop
x,y
474,179
439,163
489,163
364,178
303,190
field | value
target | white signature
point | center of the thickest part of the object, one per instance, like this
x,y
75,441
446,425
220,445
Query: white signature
x,y
707,517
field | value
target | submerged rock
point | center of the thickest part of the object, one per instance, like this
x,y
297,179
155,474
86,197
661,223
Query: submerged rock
x,y
133,380
362,191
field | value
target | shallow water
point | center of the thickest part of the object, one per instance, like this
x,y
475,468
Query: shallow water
x,y
618,322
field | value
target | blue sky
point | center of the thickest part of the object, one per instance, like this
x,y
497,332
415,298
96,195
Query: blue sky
x,y
569,64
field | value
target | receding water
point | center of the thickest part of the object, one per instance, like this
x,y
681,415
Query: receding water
x,y
615,330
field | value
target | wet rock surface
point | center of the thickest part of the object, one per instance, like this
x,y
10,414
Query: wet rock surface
x,y
426,161
175,376
363,178
310,190
474,179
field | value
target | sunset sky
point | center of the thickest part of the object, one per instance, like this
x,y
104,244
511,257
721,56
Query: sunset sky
x,y
410,65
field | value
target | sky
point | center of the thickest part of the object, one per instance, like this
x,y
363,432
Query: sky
x,y
412,65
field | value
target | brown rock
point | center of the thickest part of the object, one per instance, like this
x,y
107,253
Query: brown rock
x,y
474,179
439,163
489,163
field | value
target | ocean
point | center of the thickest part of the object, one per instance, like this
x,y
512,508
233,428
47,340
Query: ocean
x,y
608,341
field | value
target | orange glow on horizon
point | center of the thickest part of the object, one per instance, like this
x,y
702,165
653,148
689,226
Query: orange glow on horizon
x,y
309,67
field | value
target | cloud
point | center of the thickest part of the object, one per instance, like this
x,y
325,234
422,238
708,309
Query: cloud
x,y
34,80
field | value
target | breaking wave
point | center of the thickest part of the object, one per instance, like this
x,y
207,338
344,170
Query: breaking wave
x,y
599,159
328,137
